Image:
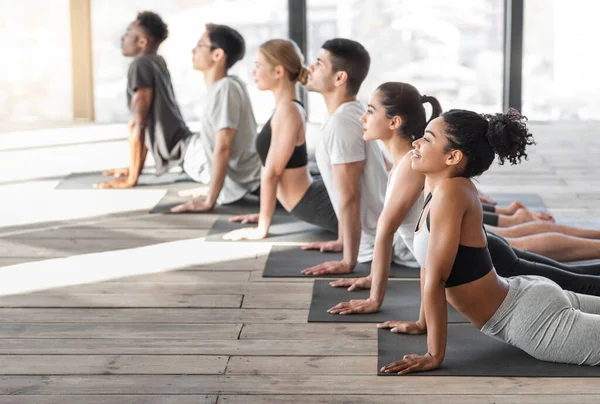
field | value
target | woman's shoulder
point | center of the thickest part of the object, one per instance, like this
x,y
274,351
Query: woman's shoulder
x,y
454,189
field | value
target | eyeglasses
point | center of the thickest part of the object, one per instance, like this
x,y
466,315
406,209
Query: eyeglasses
x,y
201,45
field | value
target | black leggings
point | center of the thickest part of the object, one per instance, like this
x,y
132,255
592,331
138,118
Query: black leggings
x,y
510,261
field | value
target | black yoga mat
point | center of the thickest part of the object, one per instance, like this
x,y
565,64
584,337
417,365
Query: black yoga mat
x,y
284,228
175,181
402,302
531,201
288,261
469,352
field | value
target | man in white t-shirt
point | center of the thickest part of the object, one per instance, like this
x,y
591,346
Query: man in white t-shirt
x,y
353,170
222,154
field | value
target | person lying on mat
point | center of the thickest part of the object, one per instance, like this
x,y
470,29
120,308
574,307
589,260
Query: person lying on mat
x,y
450,244
353,170
222,153
156,121
281,146
397,117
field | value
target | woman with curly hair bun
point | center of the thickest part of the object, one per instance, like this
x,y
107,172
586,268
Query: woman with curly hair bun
x,y
530,312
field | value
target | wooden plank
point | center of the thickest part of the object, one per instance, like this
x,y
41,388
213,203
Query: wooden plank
x,y
111,399
119,233
130,300
122,331
113,364
110,288
257,276
244,264
149,315
302,365
64,247
292,384
420,398
186,278
287,301
311,331
147,346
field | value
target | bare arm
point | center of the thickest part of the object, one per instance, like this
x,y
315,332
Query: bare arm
x,y
223,144
406,190
140,106
347,181
447,211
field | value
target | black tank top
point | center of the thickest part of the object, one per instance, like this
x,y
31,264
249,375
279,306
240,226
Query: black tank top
x,y
470,264
299,157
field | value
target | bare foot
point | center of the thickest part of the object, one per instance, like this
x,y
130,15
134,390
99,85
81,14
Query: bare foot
x,y
543,216
514,206
200,192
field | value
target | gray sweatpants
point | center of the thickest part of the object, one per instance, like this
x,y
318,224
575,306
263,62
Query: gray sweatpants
x,y
547,322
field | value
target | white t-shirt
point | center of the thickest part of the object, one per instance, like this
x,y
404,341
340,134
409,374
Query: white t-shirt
x,y
226,105
342,143
404,236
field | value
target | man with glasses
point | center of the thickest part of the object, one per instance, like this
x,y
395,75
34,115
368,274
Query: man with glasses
x,y
222,154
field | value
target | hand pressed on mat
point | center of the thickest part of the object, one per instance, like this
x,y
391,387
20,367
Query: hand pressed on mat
x,y
328,268
325,246
412,363
362,306
199,192
193,206
117,183
249,233
117,172
352,283
404,327
247,218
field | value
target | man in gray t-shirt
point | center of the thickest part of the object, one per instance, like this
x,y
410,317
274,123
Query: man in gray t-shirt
x,y
222,154
156,121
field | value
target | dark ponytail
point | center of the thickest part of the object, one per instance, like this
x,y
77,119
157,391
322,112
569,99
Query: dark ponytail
x,y
482,136
404,100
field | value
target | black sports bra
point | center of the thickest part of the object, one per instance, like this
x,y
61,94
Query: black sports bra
x,y
470,264
299,157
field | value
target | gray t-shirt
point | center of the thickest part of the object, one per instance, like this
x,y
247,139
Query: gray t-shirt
x,y
227,105
166,131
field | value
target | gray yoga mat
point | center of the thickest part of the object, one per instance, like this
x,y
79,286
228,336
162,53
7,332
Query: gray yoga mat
x,y
284,228
469,352
402,302
288,261
530,200
176,181
248,204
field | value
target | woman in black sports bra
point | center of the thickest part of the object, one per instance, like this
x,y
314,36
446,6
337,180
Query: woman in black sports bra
x,y
453,251
281,147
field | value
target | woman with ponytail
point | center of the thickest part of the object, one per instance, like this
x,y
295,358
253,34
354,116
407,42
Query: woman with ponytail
x,y
451,246
281,147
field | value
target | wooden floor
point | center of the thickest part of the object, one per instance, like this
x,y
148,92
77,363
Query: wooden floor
x,y
217,332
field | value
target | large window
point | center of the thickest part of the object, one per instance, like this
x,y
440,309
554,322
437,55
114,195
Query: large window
x,y
36,80
448,49
257,21
560,62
